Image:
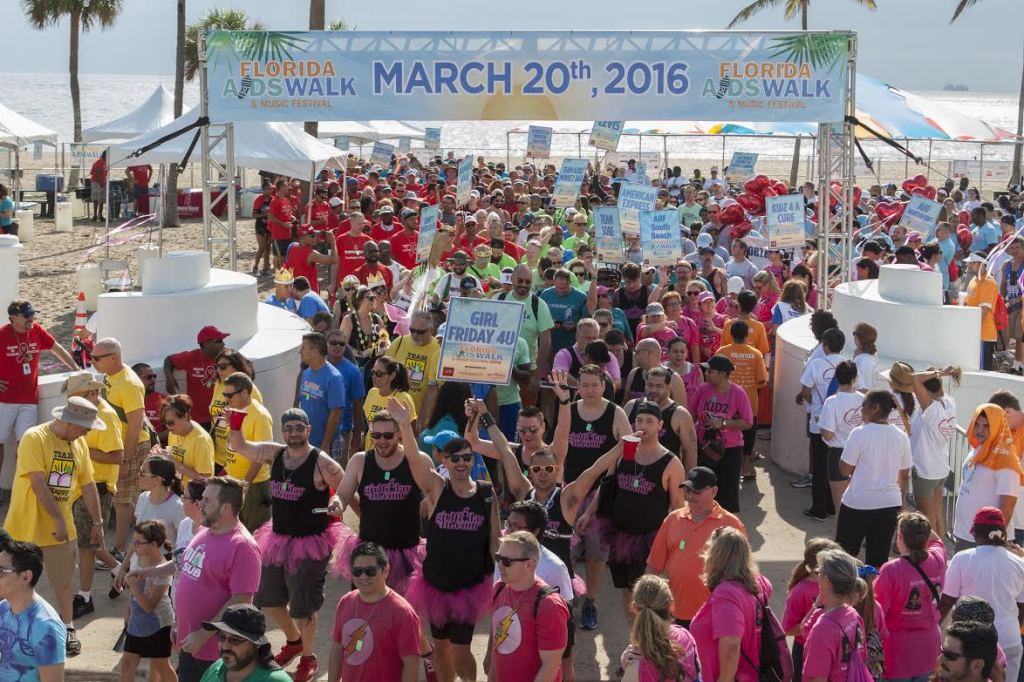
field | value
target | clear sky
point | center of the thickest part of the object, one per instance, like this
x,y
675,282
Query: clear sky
x,y
908,43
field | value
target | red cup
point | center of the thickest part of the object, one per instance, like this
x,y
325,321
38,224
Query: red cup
x,y
236,418
629,446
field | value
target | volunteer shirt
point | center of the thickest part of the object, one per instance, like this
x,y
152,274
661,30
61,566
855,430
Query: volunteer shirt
x,y
200,377
152,403
995,575
730,611
30,639
799,602
984,291
19,363
678,551
350,253
817,376
218,403
194,450
840,415
880,452
125,393
866,364
826,655
982,487
750,373
375,637
930,431
911,613
63,465
258,426
375,402
383,233
420,362
567,309
518,636
320,391
107,440
213,567
707,402
756,337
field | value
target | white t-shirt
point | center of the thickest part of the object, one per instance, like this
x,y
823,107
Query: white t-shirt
x,y
866,364
880,452
170,512
930,431
896,416
551,570
995,575
841,414
982,487
817,376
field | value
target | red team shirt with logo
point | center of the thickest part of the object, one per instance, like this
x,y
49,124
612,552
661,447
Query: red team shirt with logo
x,y
350,253
19,363
403,248
375,637
200,377
518,636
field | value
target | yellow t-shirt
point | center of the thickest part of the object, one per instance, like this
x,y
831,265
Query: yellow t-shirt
x,y
125,392
375,402
217,405
420,362
108,440
65,465
194,450
257,426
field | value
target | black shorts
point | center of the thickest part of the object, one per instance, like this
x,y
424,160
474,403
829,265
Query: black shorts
x,y
456,633
156,645
281,246
302,591
624,575
749,438
261,228
834,476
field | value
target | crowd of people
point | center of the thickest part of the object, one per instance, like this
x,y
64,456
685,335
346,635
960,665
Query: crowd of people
x,y
620,446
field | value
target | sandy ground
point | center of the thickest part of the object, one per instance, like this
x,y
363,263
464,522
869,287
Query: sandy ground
x,y
771,512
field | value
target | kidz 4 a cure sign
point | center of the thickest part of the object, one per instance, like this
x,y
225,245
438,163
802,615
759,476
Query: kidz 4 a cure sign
x,y
479,343
536,75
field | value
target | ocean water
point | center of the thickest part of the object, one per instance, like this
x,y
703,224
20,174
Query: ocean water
x,y
46,99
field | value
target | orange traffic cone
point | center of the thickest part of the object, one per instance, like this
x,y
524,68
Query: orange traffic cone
x,y
80,316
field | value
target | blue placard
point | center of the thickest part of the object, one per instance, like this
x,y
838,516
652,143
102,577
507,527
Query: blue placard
x,y
608,235
341,142
429,216
432,138
920,215
567,185
464,181
660,237
538,142
634,198
741,167
606,134
381,153
479,344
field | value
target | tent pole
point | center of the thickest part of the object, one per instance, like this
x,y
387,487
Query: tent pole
x,y
929,154
106,237
723,153
162,196
906,159
508,150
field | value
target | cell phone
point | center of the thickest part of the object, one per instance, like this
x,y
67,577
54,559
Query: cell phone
x,y
321,510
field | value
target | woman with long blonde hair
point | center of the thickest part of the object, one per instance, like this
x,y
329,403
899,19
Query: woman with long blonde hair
x,y
658,649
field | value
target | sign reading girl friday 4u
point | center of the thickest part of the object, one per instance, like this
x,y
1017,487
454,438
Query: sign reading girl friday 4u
x,y
545,75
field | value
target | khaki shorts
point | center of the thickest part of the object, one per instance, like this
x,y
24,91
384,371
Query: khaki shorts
x,y
128,486
59,562
83,519
926,487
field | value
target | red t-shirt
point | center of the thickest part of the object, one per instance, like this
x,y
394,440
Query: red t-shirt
x,y
350,253
297,261
318,213
19,363
374,638
200,377
372,274
141,175
512,249
98,172
338,226
518,637
403,248
381,233
280,208
262,199
152,403
467,244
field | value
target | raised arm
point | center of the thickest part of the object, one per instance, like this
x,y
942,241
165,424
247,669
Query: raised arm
x,y
427,480
574,493
258,453
560,444
517,482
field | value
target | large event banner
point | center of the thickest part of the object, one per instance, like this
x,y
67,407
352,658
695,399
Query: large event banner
x,y
429,215
464,181
570,178
634,198
538,142
660,237
606,134
920,215
608,235
479,344
785,220
537,75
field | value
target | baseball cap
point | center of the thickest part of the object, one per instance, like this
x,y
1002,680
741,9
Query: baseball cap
x,y
211,333
654,309
467,283
647,407
734,285
294,414
506,275
975,257
25,309
704,241
988,516
719,363
440,439
334,202
700,478
386,208
408,213
459,256
241,620
305,230
704,296
410,196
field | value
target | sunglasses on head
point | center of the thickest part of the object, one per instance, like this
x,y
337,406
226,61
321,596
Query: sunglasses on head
x,y
455,459
378,435
507,561
368,571
546,468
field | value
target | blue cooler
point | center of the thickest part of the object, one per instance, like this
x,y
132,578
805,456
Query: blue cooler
x,y
49,183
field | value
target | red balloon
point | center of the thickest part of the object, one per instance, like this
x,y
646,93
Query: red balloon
x,y
921,180
781,188
926,192
769,192
740,229
963,235
732,214
750,202
909,185
756,184
856,195
965,217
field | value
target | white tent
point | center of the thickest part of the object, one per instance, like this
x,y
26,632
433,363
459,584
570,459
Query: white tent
x,y
155,112
363,132
282,148
18,131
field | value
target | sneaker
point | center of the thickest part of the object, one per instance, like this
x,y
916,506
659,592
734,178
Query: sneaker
x,y
81,607
288,653
588,614
72,647
802,482
114,592
117,554
811,515
102,566
306,671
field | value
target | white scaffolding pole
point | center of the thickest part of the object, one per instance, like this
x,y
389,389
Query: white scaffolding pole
x,y
219,234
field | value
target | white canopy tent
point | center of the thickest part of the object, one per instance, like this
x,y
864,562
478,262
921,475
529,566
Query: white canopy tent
x,y
364,132
16,132
156,112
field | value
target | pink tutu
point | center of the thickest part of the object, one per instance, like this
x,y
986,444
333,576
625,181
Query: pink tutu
x,y
626,548
440,608
401,562
289,551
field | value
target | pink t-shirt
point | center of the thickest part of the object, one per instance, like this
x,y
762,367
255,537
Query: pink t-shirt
x,y
213,567
663,336
799,602
730,611
827,654
763,309
687,659
374,638
705,401
911,613
518,637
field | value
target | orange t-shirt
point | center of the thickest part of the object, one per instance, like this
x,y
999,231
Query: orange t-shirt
x,y
984,291
750,373
758,337
678,551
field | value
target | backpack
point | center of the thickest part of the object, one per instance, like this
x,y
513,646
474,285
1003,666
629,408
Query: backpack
x,y
534,301
857,669
775,660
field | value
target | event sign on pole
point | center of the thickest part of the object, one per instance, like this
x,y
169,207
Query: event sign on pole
x,y
606,134
560,75
634,198
428,229
570,178
608,235
404,145
995,171
381,153
654,162
785,220
538,142
479,344
341,142
741,167
921,215
660,237
432,138
464,181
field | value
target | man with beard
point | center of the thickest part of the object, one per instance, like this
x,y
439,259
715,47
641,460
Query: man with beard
x,y
244,649
200,368
968,653
219,569
529,427
648,356
632,296
299,539
449,286
387,227
371,272
154,398
535,329
677,433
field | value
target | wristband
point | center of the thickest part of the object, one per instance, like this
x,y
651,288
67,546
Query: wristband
x,y
486,420
564,402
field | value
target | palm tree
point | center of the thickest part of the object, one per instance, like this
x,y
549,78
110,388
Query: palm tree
x,y
83,15
222,19
170,205
792,7
1015,172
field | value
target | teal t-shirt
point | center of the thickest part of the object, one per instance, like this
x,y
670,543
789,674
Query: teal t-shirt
x,y
217,673
572,307
33,638
7,205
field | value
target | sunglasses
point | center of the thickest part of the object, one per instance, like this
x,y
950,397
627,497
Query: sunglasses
x,y
229,396
952,655
368,571
232,640
224,365
417,332
377,373
528,429
455,459
378,435
546,468
693,293
295,428
507,561
335,343
101,356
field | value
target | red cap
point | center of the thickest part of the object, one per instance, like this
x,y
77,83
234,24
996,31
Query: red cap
x,y
305,230
988,516
211,333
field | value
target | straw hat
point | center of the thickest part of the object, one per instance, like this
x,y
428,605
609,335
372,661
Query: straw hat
x,y
80,382
900,377
79,412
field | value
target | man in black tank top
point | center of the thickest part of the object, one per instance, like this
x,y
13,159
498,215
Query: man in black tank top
x,y
530,427
648,356
677,434
297,542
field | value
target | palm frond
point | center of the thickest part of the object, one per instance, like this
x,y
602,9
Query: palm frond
x,y
339,25
821,51
961,6
752,9
43,13
793,7
102,13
